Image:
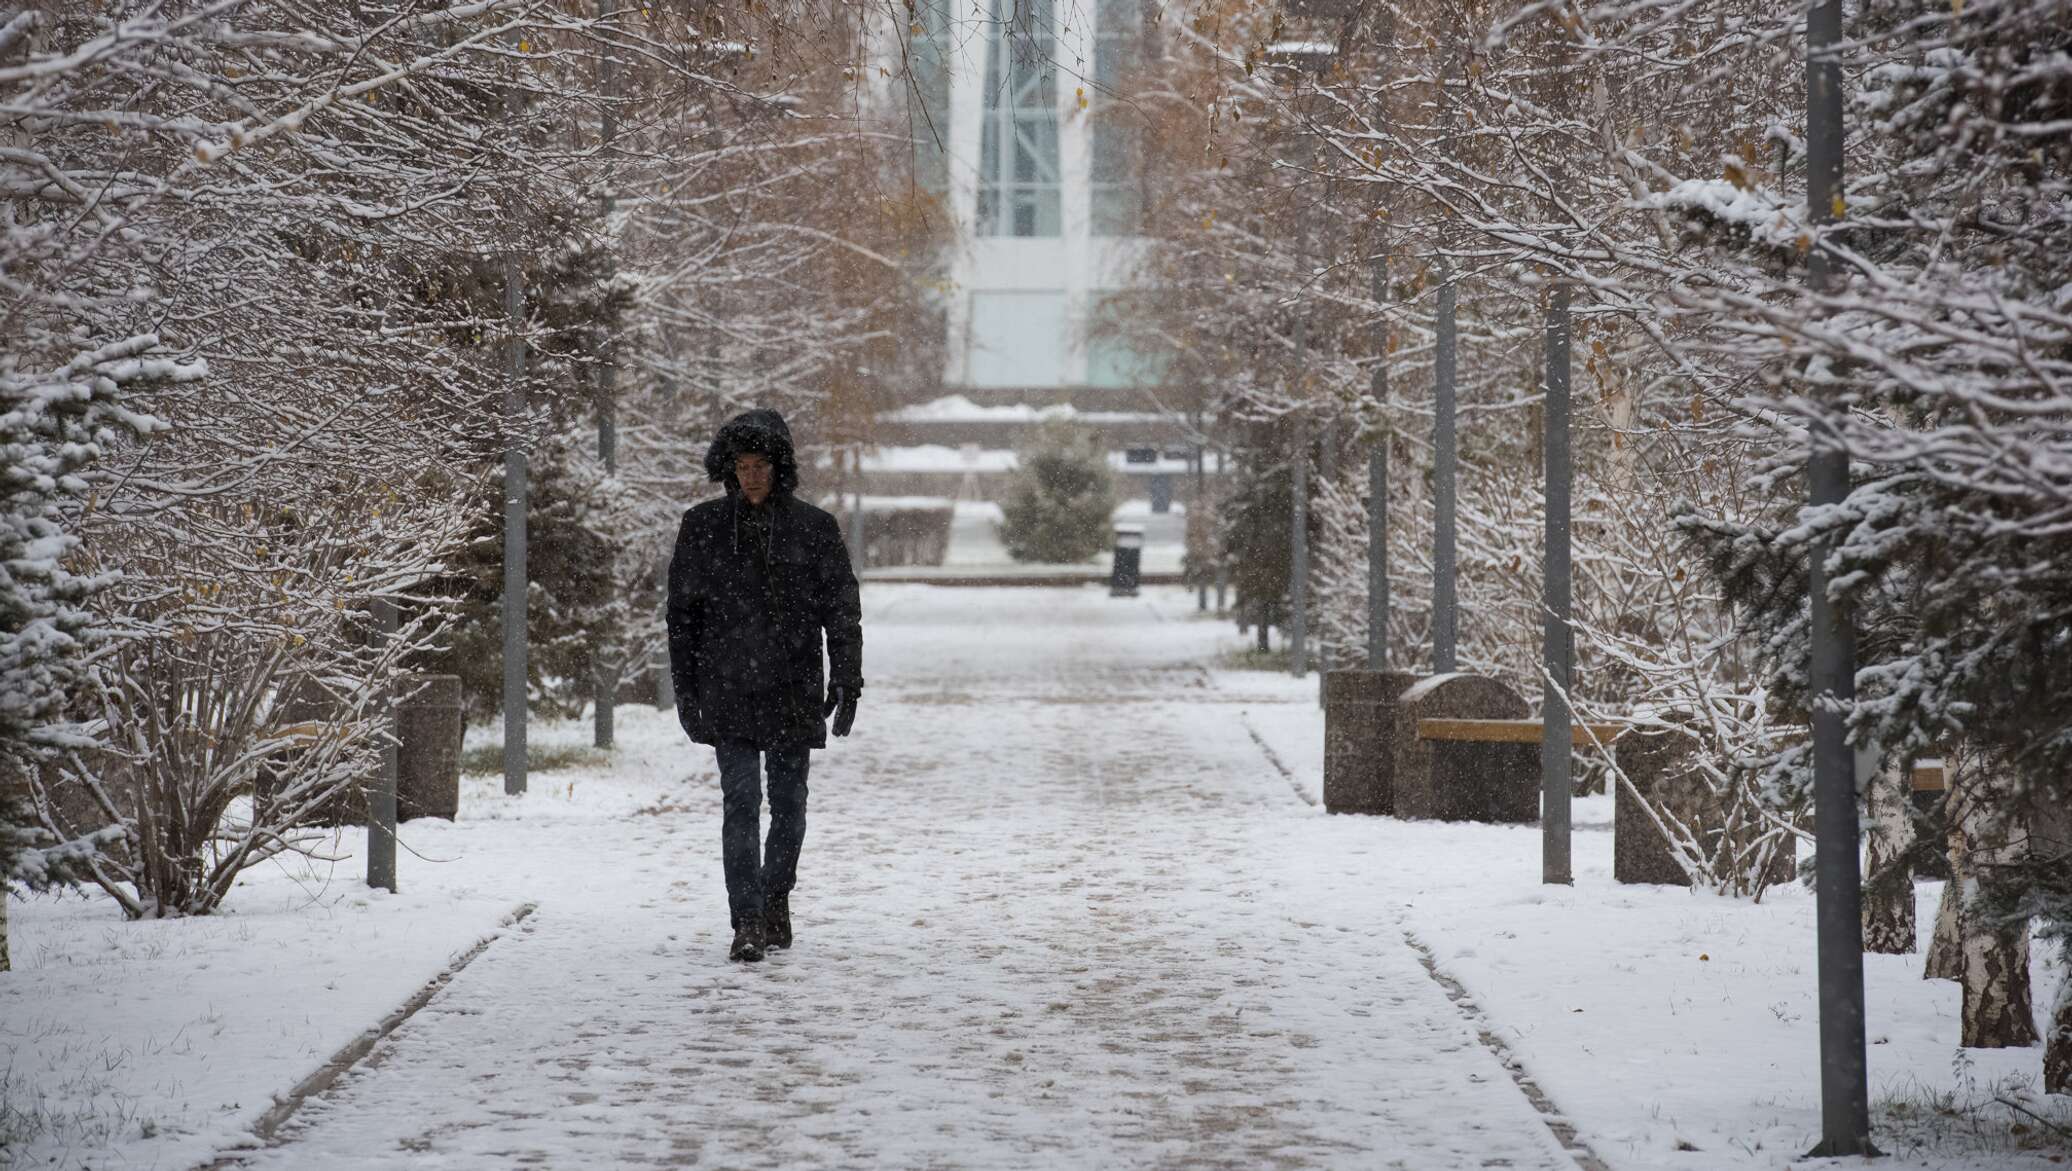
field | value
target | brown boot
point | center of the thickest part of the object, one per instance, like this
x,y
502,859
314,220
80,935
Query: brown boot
x,y
777,921
748,943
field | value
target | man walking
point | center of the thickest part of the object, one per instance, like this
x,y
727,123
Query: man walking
x,y
756,579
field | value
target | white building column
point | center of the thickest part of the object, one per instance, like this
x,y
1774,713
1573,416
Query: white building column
x,y
1075,56
967,100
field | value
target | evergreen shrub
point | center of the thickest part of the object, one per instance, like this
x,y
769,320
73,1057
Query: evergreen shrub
x,y
1060,500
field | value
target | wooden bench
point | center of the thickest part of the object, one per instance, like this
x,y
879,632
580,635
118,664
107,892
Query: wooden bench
x,y
303,733
1495,763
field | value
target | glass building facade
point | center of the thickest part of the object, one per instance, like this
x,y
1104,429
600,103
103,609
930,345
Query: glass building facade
x,y
1021,120
1019,179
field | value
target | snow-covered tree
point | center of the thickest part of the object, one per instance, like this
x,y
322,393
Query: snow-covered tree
x,y
1938,363
325,205
54,425
291,194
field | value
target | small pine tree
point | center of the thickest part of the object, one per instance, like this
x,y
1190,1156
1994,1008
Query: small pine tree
x,y
576,515
1255,534
1060,500
54,425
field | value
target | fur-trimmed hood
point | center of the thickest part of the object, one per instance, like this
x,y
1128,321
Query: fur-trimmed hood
x,y
762,432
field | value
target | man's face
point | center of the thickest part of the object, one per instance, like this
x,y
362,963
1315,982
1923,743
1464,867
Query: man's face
x,y
753,473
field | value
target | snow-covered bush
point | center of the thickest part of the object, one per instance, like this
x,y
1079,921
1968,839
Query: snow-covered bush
x,y
244,679
1938,362
260,185
1060,498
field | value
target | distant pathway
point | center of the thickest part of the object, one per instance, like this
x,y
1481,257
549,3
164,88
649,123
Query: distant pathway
x,y
1056,910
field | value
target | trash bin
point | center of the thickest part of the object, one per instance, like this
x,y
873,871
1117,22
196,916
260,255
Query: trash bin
x,y
1161,493
1129,559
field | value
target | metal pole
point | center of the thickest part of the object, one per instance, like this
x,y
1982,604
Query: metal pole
x,y
1558,644
1445,606
1298,470
856,529
1298,544
514,539
515,502
1378,482
1844,1091
1326,450
1222,554
605,685
1378,390
1199,507
381,800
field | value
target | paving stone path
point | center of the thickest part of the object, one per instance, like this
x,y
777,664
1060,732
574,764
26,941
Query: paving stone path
x,y
1056,910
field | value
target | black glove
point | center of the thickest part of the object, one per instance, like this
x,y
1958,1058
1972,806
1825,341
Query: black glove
x,y
841,704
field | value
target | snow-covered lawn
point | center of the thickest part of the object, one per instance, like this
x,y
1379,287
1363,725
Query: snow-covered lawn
x,y
1059,908
1656,1016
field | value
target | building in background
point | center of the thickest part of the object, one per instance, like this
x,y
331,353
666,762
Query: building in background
x,y
1012,106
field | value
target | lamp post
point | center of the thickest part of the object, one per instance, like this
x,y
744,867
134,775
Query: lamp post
x,y
1558,638
606,682
1844,1093
1445,604
381,796
1378,482
515,503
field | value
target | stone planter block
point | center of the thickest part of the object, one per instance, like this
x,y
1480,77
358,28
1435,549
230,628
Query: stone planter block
x,y
1359,739
429,723
1661,764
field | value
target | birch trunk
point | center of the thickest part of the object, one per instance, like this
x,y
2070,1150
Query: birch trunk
x,y
1996,985
1888,888
1945,947
1945,956
1993,838
2051,839
2057,1048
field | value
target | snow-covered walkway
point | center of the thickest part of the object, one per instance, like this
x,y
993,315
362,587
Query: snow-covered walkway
x,y
1056,910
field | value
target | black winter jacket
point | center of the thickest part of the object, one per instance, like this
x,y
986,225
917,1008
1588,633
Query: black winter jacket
x,y
750,599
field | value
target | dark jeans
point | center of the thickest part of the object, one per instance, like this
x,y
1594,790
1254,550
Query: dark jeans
x,y
756,872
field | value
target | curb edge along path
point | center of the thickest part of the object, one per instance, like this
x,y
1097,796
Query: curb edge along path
x,y
267,1129
1557,1123
1563,1129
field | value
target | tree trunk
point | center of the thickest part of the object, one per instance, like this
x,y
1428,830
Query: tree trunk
x,y
1888,888
4,964
1993,838
1996,984
1945,955
2057,1048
